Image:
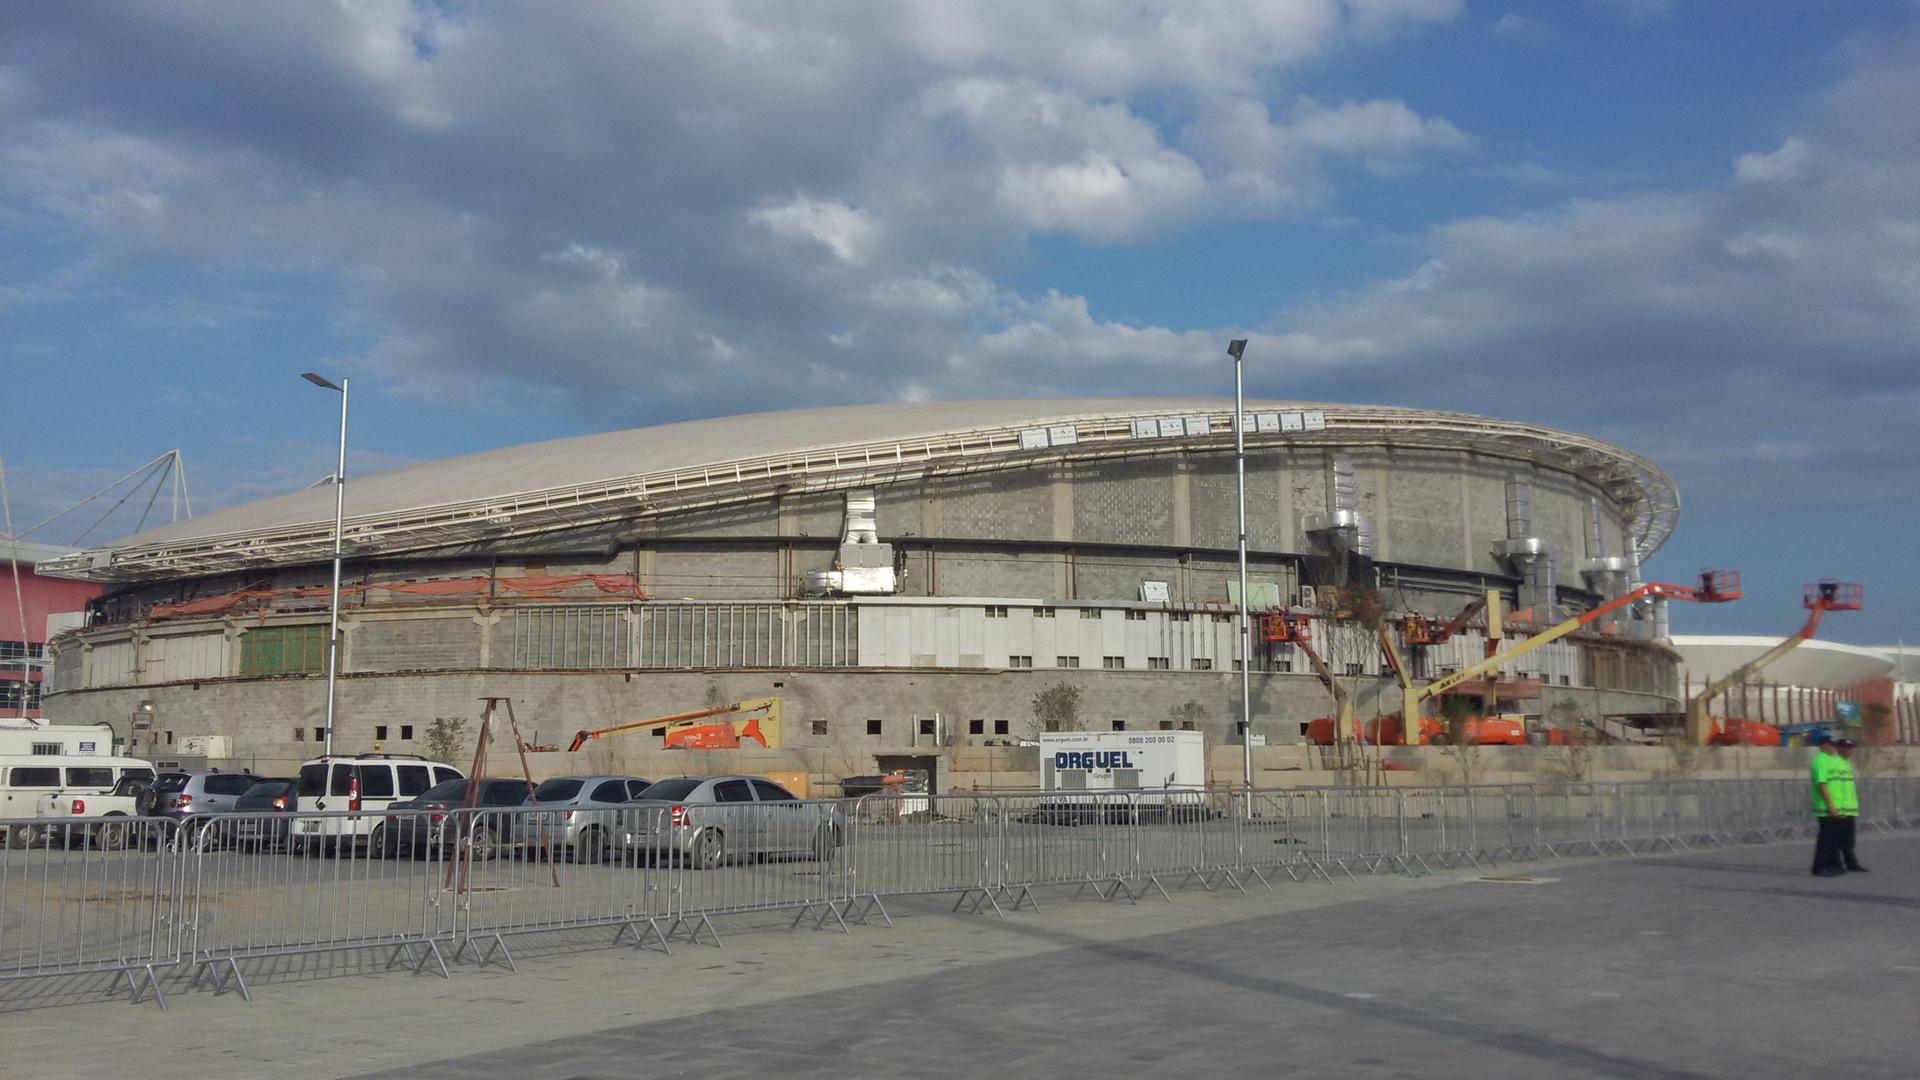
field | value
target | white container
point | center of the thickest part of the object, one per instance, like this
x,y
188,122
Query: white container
x,y
1146,761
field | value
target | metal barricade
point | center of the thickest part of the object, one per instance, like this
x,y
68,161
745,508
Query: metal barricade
x,y
261,885
715,859
910,844
529,870
1176,839
1276,829
87,898
1360,827
1079,838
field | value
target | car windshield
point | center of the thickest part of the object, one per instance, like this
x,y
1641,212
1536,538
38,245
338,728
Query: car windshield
x,y
672,789
559,790
447,791
266,789
173,781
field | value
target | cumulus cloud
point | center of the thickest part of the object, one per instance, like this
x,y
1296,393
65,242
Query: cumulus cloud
x,y
572,204
645,211
1755,336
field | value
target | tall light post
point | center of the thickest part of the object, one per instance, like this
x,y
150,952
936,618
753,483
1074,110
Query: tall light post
x,y
1234,349
339,510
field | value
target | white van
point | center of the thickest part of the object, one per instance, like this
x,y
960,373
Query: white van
x,y
362,783
24,778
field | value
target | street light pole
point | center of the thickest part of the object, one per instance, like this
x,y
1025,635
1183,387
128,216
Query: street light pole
x,y
1235,348
339,512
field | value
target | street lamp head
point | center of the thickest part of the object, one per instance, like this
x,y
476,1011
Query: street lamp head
x,y
1236,347
318,381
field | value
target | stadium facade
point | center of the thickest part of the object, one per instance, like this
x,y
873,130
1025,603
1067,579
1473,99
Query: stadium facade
x,y
906,576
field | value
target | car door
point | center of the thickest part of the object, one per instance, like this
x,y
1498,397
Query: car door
x,y
783,819
734,804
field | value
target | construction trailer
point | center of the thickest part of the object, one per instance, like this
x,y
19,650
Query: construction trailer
x,y
1149,762
1818,598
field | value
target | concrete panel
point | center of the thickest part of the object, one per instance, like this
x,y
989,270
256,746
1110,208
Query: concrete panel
x,y
426,644
173,657
714,573
1124,502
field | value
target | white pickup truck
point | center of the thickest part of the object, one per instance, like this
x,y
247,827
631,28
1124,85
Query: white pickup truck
x,y
76,817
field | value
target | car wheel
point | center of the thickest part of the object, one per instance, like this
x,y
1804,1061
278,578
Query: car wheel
x,y
591,848
709,850
19,836
825,841
482,844
111,835
379,845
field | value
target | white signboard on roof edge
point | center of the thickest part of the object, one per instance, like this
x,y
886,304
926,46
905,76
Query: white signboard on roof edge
x,y
1173,427
1316,420
1063,435
1033,439
1198,425
1292,421
1146,429
1268,422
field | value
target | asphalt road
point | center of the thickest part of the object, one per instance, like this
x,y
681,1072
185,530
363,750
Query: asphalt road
x,y
1720,963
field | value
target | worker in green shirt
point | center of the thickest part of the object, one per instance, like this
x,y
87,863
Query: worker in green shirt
x,y
1849,799
1823,774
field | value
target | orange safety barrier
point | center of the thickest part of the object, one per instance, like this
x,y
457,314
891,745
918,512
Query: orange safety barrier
x,y
535,587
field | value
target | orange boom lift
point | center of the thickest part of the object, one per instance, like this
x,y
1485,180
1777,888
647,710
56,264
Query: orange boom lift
x,y
683,731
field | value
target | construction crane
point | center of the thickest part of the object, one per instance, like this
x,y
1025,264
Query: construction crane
x,y
1818,598
1715,587
683,731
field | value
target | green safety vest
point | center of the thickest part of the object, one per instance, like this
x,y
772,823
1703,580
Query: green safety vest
x,y
1835,772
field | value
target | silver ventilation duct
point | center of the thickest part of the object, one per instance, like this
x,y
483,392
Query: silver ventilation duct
x,y
863,566
1527,555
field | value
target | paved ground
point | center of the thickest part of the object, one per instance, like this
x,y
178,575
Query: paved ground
x,y
1729,963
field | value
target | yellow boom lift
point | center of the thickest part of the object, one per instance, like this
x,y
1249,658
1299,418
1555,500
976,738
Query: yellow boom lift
x,y
1818,599
1715,587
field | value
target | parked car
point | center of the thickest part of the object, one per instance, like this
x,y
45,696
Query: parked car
x,y
26,778
188,799
402,833
590,829
258,813
709,821
366,784
75,818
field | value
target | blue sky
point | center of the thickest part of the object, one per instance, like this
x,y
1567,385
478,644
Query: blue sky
x,y
1691,228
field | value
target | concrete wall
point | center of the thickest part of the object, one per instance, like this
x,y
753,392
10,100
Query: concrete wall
x,y
271,720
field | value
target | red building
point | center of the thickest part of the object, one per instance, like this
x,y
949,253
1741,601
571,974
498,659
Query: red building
x,y
23,649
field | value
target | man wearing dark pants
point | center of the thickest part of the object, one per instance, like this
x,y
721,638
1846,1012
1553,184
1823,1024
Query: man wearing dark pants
x,y
1823,775
1849,800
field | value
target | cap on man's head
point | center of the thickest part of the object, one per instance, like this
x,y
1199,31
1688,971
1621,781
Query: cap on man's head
x,y
1846,744
1824,740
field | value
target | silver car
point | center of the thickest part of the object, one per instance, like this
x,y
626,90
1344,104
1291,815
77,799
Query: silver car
x,y
583,818
709,821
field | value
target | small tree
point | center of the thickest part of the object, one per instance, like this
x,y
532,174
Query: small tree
x,y
1057,708
1187,712
445,736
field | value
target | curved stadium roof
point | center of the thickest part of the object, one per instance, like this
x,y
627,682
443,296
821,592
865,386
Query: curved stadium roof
x,y
538,487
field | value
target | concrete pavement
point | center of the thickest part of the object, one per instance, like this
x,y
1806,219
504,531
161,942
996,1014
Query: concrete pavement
x,y
1722,963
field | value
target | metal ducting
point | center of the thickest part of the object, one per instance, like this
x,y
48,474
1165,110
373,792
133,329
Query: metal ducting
x,y
863,566
1527,555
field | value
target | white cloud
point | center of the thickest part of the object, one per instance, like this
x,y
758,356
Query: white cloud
x,y
1787,163
843,231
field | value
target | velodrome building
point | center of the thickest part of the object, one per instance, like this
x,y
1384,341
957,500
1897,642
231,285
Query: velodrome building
x,y
906,577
